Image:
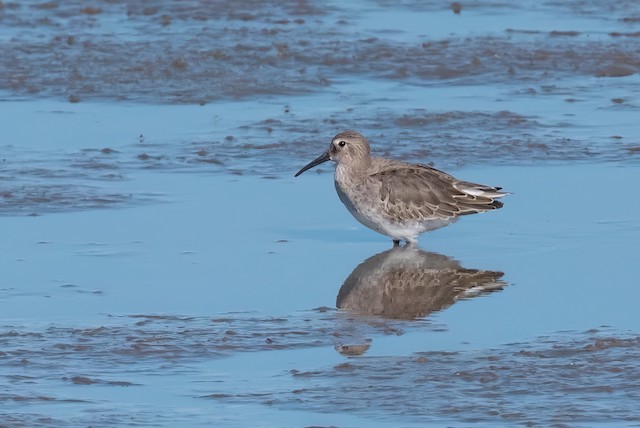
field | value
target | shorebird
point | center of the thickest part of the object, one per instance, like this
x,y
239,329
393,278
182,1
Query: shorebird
x,y
398,199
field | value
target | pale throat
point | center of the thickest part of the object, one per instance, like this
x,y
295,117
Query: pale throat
x,y
349,172
342,174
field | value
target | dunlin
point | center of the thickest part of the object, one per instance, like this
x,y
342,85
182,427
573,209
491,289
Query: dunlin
x,y
399,199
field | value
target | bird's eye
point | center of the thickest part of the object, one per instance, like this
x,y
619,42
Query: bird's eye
x,y
342,143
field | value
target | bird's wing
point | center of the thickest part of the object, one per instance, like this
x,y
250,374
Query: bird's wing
x,y
421,192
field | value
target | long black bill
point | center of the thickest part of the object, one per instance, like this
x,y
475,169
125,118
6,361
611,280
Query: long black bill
x,y
320,159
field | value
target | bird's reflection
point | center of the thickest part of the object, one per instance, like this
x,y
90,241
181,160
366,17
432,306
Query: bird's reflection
x,y
406,283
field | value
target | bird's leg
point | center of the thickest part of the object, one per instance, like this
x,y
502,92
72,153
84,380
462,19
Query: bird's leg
x,y
413,245
396,242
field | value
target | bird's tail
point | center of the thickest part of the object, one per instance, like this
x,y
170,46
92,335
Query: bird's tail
x,y
475,189
479,197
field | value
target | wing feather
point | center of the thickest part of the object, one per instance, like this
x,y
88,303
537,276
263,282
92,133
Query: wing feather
x,y
421,193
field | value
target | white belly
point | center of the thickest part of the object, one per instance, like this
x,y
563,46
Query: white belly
x,y
370,213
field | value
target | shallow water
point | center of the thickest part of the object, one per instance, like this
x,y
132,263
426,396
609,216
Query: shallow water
x,y
235,313
162,267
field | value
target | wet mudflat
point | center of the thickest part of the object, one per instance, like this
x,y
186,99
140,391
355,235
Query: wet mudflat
x,y
162,267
